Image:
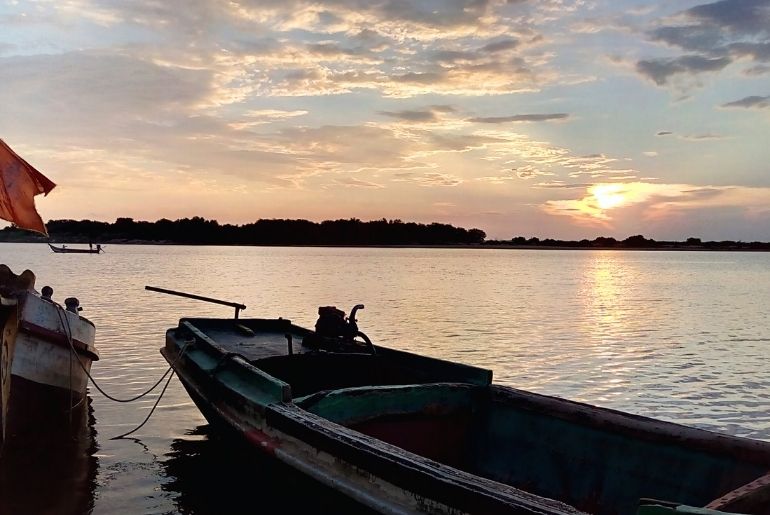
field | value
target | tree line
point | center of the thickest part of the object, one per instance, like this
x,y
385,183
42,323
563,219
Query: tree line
x,y
632,242
199,231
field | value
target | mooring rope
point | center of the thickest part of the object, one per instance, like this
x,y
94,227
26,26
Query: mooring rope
x,y
68,333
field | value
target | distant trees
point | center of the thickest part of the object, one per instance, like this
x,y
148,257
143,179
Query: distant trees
x,y
632,242
199,231
351,231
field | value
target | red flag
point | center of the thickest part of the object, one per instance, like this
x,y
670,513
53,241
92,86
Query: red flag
x,y
19,183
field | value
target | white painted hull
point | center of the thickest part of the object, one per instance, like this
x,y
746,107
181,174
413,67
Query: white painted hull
x,y
43,353
52,365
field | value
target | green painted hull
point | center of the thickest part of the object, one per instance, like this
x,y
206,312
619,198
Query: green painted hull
x,y
404,433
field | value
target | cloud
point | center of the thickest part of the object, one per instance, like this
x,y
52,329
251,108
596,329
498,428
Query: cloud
x,y
521,118
757,70
500,46
752,102
530,172
605,203
427,115
736,16
429,179
664,133
706,136
660,71
714,35
358,183
91,91
256,117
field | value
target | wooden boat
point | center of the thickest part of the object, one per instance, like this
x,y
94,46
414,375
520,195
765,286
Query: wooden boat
x,y
65,250
404,433
41,379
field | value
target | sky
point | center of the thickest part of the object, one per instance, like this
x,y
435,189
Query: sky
x,y
548,118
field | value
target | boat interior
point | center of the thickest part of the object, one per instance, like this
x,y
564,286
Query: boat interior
x,y
594,459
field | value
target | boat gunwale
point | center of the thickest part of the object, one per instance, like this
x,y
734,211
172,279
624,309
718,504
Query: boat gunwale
x,y
635,426
443,483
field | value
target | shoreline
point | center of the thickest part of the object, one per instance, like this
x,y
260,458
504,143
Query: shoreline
x,y
459,246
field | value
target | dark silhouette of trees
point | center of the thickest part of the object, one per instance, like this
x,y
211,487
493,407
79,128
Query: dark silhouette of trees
x,y
352,231
199,231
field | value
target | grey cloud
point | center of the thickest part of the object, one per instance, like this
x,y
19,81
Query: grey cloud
x,y
499,46
689,37
328,49
521,118
419,115
757,51
742,16
453,13
757,70
715,34
752,102
412,116
701,137
661,70
94,91
458,143
419,77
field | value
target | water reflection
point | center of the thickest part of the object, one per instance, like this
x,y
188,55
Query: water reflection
x,y
51,467
209,473
675,335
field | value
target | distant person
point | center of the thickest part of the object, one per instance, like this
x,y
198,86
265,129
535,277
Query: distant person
x,y
98,247
90,246
47,293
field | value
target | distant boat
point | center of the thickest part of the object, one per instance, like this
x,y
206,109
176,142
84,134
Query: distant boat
x,y
404,433
64,250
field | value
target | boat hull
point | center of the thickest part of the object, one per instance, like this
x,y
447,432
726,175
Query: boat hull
x,y
64,250
47,354
402,433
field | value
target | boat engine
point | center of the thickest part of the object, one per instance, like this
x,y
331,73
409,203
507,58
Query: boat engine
x,y
337,333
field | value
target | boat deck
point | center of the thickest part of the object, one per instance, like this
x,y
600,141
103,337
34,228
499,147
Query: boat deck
x,y
259,346
254,339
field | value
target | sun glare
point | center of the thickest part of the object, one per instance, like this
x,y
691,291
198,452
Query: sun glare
x,y
608,195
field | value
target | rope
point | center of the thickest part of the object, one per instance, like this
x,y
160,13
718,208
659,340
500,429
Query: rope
x,y
68,333
157,401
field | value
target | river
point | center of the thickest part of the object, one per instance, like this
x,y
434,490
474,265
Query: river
x,y
680,336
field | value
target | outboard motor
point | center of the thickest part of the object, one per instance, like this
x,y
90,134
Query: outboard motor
x,y
334,332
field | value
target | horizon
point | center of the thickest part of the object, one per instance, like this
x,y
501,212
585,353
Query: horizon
x,y
487,238
555,119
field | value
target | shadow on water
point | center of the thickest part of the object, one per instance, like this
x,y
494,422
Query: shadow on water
x,y
51,468
213,474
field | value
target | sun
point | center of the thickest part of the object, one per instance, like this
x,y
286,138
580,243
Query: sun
x,y
608,196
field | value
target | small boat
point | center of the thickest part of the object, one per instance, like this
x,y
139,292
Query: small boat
x,y
68,250
45,358
404,433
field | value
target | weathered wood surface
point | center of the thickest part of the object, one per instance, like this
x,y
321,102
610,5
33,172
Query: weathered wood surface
x,y
463,491
9,321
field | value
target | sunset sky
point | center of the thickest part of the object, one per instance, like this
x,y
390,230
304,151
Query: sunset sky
x,y
548,118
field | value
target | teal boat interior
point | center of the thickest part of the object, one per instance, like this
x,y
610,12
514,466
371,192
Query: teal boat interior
x,y
594,459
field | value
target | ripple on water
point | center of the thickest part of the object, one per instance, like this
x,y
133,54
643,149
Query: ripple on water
x,y
680,336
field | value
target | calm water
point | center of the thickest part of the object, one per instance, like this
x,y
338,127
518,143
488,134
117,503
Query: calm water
x,y
681,336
